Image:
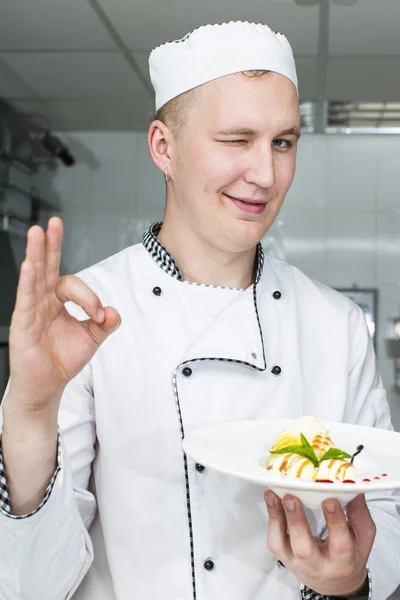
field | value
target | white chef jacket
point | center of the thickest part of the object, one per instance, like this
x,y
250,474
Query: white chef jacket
x,y
128,516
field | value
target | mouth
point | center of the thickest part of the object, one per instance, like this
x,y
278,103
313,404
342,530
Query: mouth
x,y
249,206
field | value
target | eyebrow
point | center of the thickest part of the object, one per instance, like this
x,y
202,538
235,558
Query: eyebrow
x,y
292,131
247,131
234,131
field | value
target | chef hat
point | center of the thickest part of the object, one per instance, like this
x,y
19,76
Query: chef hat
x,y
212,51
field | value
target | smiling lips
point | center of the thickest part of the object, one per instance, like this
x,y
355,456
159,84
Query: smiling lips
x,y
248,206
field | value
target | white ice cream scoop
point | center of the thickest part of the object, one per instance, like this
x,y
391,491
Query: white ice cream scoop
x,y
335,470
292,465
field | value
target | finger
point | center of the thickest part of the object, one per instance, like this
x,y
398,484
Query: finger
x,y
361,522
54,236
277,537
302,541
71,288
25,306
340,539
36,253
100,332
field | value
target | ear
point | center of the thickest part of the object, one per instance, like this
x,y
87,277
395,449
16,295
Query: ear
x,y
159,138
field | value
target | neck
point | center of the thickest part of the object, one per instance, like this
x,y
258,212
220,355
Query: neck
x,y
200,262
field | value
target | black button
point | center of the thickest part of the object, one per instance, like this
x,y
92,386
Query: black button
x,y
157,291
209,565
187,371
199,468
277,295
276,370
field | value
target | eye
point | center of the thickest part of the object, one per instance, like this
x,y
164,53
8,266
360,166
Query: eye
x,y
280,143
237,142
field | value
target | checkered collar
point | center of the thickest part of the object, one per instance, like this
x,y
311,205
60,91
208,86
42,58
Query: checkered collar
x,y
165,261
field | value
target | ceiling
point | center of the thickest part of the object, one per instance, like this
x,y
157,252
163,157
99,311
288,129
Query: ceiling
x,y
85,69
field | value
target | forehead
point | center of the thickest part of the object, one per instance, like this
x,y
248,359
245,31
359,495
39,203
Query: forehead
x,y
258,101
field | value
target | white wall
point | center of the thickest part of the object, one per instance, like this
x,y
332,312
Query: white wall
x,y
107,198
340,222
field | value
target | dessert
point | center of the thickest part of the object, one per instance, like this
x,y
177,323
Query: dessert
x,y
305,450
314,431
335,469
292,465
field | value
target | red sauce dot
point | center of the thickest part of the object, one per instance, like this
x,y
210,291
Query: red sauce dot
x,y
324,481
384,475
348,481
376,477
366,480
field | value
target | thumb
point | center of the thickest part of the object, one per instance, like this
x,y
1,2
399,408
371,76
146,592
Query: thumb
x,y
101,331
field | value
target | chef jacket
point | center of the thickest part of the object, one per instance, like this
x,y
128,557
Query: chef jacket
x,y
128,516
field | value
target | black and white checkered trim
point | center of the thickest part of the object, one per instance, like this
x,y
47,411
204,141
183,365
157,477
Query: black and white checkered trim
x,y
307,594
185,467
5,506
165,261
159,252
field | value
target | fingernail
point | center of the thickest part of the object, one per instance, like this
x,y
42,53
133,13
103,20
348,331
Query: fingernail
x,y
330,507
289,505
100,315
270,501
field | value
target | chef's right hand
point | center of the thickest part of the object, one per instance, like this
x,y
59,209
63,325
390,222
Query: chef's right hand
x,y
49,347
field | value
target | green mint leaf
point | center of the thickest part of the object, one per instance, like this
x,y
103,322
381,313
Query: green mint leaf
x,y
306,452
287,449
335,453
304,441
307,445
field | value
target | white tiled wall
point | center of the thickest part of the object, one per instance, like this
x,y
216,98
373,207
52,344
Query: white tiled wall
x,y
340,222
107,199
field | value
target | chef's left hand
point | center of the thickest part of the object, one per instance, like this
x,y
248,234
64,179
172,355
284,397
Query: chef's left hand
x,y
335,566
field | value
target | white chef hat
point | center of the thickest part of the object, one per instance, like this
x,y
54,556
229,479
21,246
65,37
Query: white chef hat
x,y
212,51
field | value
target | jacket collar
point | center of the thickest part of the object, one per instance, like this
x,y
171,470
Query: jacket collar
x,y
167,263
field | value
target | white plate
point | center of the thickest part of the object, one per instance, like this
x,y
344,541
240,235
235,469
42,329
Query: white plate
x,y
240,448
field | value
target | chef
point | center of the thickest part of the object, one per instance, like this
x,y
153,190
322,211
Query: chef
x,y
111,368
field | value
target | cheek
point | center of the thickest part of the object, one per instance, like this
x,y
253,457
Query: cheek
x,y
224,166
284,171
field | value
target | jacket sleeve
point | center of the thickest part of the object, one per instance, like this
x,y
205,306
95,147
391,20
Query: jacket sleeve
x,y
45,555
367,405
4,495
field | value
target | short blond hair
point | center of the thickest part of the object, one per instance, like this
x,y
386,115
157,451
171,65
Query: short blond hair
x,y
174,113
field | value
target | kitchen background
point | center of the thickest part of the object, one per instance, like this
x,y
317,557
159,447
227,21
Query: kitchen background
x,y
74,87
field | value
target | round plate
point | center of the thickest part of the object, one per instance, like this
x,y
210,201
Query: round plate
x,y
241,448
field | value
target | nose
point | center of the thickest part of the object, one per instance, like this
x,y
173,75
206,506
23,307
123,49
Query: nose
x,y
260,169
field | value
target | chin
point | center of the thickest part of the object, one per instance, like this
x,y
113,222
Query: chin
x,y
247,234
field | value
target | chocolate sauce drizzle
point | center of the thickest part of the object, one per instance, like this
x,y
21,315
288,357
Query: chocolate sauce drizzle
x,y
359,449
